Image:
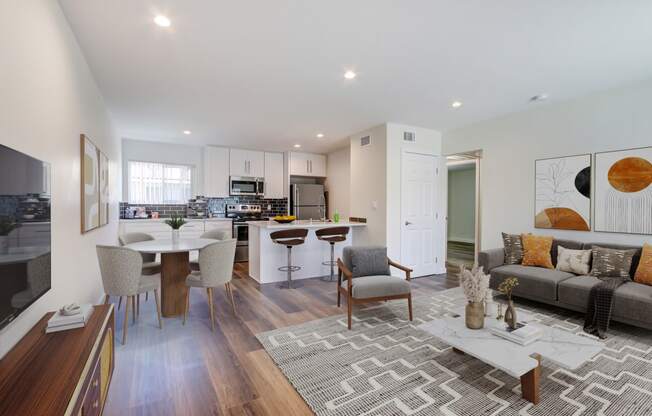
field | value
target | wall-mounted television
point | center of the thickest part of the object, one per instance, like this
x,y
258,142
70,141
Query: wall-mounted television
x,y
25,237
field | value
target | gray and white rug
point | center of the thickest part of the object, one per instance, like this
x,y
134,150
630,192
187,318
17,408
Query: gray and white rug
x,y
385,366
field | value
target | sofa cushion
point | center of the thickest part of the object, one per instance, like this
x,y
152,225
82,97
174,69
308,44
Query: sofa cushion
x,y
633,301
536,251
635,260
571,244
608,262
366,261
644,270
575,291
513,248
377,286
532,281
573,261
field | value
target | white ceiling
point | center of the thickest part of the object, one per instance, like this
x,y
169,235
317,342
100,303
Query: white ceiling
x,y
268,74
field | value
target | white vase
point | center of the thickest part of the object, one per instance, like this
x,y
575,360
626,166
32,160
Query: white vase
x,y
175,236
489,304
4,244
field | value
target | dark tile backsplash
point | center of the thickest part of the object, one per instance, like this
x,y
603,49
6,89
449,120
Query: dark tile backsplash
x,y
217,206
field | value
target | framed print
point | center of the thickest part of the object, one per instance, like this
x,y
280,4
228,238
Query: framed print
x,y
90,185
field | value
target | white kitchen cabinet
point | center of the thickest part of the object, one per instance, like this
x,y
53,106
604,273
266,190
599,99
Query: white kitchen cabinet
x,y
247,163
307,164
274,176
216,172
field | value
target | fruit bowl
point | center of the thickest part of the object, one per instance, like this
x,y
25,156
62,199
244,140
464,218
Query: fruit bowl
x,y
284,219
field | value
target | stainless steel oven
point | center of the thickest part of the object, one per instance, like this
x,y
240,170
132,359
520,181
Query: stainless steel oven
x,y
244,185
241,214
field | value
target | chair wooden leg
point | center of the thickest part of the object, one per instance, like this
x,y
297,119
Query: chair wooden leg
x,y
106,299
410,305
209,293
187,308
133,308
229,291
350,309
125,324
119,302
158,309
339,295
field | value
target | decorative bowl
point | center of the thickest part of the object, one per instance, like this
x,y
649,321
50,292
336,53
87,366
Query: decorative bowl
x,y
284,219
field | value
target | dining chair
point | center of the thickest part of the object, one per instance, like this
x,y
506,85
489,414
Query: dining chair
x,y
215,268
217,234
121,270
150,265
364,276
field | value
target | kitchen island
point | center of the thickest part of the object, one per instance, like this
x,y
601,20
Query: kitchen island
x,y
265,256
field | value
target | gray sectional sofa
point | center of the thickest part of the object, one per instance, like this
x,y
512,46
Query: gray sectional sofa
x,y
632,301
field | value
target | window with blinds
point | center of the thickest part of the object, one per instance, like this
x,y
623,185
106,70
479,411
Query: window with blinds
x,y
159,183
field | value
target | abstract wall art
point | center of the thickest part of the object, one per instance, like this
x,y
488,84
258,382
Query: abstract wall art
x,y
94,186
563,193
104,188
623,191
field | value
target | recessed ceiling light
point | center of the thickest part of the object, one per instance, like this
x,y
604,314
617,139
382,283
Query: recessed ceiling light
x,y
187,132
350,74
162,21
320,135
297,146
456,104
539,97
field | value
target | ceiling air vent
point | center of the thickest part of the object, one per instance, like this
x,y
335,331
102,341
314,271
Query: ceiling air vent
x,y
365,140
409,136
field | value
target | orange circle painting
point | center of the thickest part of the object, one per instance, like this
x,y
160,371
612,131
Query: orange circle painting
x,y
561,218
632,174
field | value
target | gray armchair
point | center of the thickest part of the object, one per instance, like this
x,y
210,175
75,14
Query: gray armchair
x,y
363,277
216,234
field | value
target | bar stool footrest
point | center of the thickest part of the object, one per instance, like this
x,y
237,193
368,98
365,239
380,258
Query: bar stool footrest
x,y
289,268
329,263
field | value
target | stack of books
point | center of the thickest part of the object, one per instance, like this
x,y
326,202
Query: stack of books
x,y
60,322
523,334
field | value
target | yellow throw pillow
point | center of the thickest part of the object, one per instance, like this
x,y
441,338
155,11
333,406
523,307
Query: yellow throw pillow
x,y
536,251
644,269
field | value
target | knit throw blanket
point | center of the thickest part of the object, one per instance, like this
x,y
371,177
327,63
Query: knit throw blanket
x,y
598,311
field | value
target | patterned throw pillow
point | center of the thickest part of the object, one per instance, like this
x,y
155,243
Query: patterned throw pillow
x,y
536,251
608,262
573,261
644,269
513,248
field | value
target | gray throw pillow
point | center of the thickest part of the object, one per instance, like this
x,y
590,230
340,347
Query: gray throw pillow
x,y
369,261
608,262
513,248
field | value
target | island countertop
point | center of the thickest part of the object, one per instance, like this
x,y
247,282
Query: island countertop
x,y
303,224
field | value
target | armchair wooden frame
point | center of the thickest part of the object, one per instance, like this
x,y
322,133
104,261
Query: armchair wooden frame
x,y
348,293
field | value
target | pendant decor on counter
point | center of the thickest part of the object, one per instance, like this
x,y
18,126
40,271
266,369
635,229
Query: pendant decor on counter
x,y
475,285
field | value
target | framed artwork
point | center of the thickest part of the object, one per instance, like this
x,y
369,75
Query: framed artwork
x,y
90,185
104,188
623,191
563,193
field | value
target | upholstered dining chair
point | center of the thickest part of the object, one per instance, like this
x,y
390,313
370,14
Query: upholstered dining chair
x,y
215,268
364,276
150,265
217,234
121,270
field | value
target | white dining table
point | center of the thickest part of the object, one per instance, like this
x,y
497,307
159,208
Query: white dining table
x,y
175,267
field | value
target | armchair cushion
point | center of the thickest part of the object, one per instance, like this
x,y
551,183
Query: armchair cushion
x,y
378,286
366,261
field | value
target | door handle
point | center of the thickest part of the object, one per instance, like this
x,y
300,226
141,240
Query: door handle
x,y
408,223
307,166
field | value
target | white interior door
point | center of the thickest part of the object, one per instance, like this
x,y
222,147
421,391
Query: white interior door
x,y
420,216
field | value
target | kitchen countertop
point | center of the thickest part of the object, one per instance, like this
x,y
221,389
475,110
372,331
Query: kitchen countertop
x,y
163,219
304,224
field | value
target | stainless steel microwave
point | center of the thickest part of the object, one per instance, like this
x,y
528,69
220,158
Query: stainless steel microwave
x,y
244,185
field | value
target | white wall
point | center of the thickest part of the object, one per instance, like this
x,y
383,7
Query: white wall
x,y
338,181
611,120
177,154
47,98
368,185
461,204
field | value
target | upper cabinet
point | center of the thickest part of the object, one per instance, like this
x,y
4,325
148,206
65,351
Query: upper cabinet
x,y
274,176
216,172
247,163
307,164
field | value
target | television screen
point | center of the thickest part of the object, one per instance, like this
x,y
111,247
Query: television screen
x,y
25,241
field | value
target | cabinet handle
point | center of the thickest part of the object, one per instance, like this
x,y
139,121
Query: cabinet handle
x,y
307,166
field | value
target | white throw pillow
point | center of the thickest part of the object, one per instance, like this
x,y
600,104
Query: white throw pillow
x,y
573,261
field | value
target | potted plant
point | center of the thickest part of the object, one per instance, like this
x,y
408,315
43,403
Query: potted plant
x,y
506,288
176,222
7,225
475,284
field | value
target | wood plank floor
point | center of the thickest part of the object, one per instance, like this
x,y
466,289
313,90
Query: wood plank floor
x,y
189,370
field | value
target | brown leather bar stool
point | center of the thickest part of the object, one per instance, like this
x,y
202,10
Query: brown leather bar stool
x,y
332,235
289,238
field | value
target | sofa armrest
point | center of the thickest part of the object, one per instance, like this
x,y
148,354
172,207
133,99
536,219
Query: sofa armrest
x,y
490,259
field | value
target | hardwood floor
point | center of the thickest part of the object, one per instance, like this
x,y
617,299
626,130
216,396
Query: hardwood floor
x,y
189,370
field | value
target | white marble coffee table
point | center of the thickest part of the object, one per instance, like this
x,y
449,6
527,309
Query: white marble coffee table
x,y
563,348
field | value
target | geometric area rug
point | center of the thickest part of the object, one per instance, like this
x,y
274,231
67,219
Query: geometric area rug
x,y
386,366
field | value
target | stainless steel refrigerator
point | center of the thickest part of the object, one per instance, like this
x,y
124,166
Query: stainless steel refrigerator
x,y
307,201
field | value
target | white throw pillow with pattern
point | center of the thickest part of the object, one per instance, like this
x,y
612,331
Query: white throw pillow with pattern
x,y
573,261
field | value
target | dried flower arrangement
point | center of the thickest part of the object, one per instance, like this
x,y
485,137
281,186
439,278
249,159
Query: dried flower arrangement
x,y
474,283
507,286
